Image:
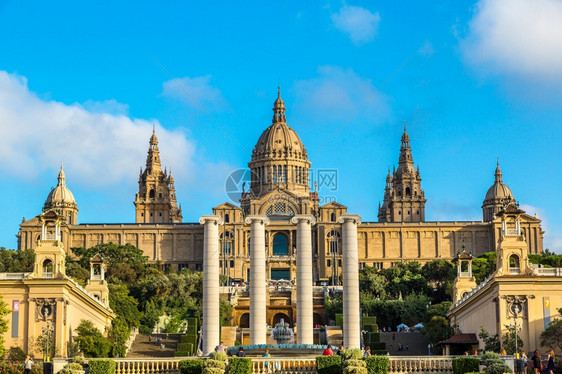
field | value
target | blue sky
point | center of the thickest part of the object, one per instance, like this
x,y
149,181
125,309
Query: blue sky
x,y
84,83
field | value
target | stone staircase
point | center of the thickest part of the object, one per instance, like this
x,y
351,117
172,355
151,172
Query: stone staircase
x,y
228,335
416,343
145,345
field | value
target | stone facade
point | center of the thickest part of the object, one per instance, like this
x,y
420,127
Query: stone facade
x,y
279,189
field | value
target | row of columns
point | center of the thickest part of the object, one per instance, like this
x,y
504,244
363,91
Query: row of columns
x,y
258,281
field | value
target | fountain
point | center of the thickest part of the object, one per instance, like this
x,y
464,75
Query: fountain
x,y
282,333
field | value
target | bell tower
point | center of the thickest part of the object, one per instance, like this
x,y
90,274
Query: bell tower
x,y
156,200
50,257
464,282
404,200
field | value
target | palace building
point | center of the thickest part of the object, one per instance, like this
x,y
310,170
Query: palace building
x,y
280,189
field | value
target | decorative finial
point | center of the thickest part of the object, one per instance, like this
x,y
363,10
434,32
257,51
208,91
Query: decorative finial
x,y
498,161
61,165
278,91
153,128
404,126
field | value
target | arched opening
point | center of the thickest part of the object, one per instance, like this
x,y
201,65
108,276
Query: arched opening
x,y
464,266
226,218
244,321
277,318
333,217
47,269
514,264
408,191
151,194
280,245
318,320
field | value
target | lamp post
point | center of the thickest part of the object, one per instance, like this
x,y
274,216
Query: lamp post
x,y
516,309
48,331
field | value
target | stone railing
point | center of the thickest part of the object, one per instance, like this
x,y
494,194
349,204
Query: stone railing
x,y
552,272
285,365
13,276
147,366
421,364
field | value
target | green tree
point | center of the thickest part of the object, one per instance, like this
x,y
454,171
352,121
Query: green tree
x,y
46,343
552,336
113,254
440,309
372,283
508,340
483,266
20,261
91,341
414,309
439,271
4,311
491,342
124,305
437,329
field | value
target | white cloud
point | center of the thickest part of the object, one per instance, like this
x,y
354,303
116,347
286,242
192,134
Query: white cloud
x,y
359,23
516,38
336,93
99,148
195,91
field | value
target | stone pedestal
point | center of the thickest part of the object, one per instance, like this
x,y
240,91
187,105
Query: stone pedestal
x,y
351,306
211,309
305,318
258,302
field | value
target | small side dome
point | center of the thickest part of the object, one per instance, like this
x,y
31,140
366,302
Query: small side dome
x,y
60,196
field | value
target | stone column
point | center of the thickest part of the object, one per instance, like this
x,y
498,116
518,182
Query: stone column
x,y
258,303
211,314
351,312
305,320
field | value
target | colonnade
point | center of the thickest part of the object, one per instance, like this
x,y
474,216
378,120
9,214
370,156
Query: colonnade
x,y
258,280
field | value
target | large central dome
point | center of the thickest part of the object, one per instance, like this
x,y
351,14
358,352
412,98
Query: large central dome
x,y
279,158
279,140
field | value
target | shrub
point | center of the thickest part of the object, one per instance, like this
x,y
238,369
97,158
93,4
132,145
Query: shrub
x,y
462,365
218,355
378,352
339,320
215,364
15,354
377,346
328,364
377,364
73,366
352,353
194,366
369,321
498,368
192,326
181,354
78,359
101,366
240,365
354,362
145,329
374,337
355,370
189,339
67,371
212,371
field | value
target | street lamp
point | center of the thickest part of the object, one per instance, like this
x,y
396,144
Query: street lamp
x,y
516,309
48,331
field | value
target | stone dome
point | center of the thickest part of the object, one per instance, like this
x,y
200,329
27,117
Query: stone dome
x,y
279,140
498,191
60,195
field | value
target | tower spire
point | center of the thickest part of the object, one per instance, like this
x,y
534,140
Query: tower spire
x,y
62,177
279,108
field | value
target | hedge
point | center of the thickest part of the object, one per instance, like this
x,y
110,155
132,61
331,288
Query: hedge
x,y
354,362
101,367
463,365
239,365
372,320
193,366
189,339
328,364
355,370
192,326
376,364
377,346
339,320
179,353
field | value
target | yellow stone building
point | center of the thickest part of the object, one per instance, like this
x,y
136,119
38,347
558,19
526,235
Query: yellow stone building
x,y
279,188
47,299
517,289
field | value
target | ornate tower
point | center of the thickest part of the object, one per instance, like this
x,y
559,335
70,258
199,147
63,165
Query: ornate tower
x,y
404,199
97,284
496,197
464,282
50,257
62,200
156,200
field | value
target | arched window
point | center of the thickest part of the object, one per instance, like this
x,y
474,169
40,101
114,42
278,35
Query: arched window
x,y
151,194
47,269
408,191
280,245
333,217
226,218
274,174
284,173
514,263
333,241
227,239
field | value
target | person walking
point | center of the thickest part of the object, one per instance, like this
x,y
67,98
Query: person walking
x,y
550,363
522,362
27,364
265,363
536,359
